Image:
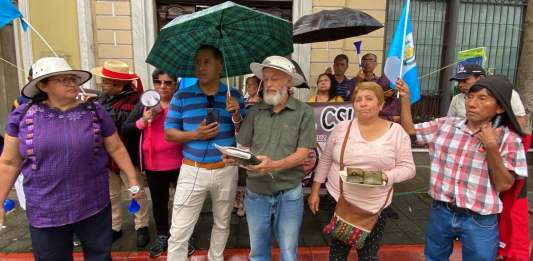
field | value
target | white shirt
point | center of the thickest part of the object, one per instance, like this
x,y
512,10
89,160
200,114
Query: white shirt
x,y
458,109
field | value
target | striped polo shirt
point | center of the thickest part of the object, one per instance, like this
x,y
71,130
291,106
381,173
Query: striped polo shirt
x,y
188,109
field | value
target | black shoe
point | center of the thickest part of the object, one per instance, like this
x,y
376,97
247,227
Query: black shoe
x,y
117,235
143,237
191,248
158,246
391,213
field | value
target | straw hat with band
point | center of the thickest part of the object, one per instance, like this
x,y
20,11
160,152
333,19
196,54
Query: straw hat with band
x,y
48,67
279,63
502,90
118,70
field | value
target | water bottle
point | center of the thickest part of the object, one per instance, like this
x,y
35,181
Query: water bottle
x,y
9,205
134,207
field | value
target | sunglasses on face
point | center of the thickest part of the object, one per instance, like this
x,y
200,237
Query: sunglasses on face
x,y
163,83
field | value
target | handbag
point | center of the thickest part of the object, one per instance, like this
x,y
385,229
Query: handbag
x,y
351,224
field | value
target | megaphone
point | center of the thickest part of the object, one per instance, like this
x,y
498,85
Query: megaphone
x,y
151,99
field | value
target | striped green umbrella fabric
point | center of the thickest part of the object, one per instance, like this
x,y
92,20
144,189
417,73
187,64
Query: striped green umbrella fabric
x,y
242,34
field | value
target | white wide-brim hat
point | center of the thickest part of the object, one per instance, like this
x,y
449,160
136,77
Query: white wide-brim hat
x,y
279,63
48,67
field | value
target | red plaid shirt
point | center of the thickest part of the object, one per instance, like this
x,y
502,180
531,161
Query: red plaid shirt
x,y
459,172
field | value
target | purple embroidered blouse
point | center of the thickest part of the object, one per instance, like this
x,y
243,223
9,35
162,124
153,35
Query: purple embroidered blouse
x,y
64,161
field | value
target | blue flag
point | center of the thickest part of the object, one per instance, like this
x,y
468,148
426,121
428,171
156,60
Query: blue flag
x,y
392,64
8,12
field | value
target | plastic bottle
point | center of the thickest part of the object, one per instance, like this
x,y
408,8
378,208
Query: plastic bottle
x,y
134,207
9,205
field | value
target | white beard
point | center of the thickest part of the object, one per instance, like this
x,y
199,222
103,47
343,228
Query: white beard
x,y
276,98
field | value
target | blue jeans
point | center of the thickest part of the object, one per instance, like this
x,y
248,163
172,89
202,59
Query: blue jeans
x,y
281,213
478,234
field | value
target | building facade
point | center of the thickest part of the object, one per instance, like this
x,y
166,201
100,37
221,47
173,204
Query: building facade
x,y
87,32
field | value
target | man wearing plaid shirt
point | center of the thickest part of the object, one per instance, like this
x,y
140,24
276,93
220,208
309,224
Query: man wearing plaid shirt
x,y
471,162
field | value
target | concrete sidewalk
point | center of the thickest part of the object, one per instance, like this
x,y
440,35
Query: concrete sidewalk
x,y
410,202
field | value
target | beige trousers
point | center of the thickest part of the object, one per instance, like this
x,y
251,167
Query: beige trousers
x,y
117,185
193,186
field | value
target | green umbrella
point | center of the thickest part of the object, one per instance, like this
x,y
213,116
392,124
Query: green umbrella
x,y
242,34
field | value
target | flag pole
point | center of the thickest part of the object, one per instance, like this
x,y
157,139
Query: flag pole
x,y
403,37
40,36
406,20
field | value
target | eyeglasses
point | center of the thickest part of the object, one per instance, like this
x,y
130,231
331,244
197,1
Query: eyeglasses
x,y
163,83
66,80
210,101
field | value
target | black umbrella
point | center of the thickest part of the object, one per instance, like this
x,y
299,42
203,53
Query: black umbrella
x,y
331,25
300,72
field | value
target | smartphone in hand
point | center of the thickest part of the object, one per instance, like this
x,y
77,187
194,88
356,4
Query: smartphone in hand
x,y
212,116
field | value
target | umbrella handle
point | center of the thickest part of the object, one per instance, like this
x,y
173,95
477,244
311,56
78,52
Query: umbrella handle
x,y
228,98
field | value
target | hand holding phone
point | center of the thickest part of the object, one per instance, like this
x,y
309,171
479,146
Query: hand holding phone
x,y
206,131
212,116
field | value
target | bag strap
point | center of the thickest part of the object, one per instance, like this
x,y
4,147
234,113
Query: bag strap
x,y
341,166
386,200
343,148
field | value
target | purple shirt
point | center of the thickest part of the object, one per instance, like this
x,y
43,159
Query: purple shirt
x,y
390,109
64,161
347,87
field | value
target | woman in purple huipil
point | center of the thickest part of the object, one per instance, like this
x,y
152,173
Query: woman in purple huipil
x,y
61,145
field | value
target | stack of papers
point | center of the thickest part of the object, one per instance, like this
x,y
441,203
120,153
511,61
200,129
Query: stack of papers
x,y
242,156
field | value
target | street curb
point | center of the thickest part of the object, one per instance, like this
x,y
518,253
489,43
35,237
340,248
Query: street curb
x,y
386,252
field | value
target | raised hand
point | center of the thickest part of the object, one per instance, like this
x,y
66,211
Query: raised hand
x,y
402,87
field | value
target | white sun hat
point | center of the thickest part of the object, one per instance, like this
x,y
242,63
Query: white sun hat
x,y
279,63
48,67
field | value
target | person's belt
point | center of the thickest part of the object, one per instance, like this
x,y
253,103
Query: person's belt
x,y
209,165
454,208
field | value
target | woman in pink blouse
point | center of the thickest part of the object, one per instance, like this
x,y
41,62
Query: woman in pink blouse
x,y
373,144
154,155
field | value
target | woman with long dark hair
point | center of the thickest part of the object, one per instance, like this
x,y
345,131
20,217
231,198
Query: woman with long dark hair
x,y
326,90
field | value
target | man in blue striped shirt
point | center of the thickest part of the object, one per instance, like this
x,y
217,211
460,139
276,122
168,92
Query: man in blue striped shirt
x,y
203,170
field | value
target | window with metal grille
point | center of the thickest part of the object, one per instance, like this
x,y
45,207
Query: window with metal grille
x,y
494,24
